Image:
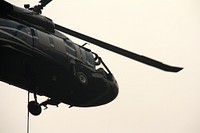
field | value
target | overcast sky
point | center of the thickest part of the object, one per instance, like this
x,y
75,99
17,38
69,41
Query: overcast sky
x,y
150,100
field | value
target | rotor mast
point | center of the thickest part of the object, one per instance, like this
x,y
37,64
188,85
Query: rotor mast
x,y
38,8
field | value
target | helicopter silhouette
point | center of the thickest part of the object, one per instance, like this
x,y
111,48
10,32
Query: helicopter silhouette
x,y
37,57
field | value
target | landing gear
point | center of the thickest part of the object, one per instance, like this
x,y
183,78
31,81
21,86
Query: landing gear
x,y
35,108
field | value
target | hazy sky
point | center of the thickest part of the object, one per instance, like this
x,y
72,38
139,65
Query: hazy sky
x,y
150,100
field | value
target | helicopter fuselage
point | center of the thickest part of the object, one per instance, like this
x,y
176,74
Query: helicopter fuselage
x,y
45,62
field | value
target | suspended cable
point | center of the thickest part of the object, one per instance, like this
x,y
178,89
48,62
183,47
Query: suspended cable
x,y
28,114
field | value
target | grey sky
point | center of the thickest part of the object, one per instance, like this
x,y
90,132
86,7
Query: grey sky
x,y
150,100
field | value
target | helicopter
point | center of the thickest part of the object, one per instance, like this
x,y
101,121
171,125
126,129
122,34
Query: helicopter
x,y
36,56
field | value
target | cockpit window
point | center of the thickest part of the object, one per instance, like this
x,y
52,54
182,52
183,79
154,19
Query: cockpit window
x,y
70,48
90,58
80,53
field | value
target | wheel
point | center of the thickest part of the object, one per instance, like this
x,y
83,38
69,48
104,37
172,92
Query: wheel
x,y
82,78
34,108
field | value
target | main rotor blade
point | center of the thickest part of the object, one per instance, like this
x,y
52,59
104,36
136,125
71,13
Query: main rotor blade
x,y
44,2
123,52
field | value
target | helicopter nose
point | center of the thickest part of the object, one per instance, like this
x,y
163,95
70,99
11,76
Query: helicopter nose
x,y
100,91
110,92
113,91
